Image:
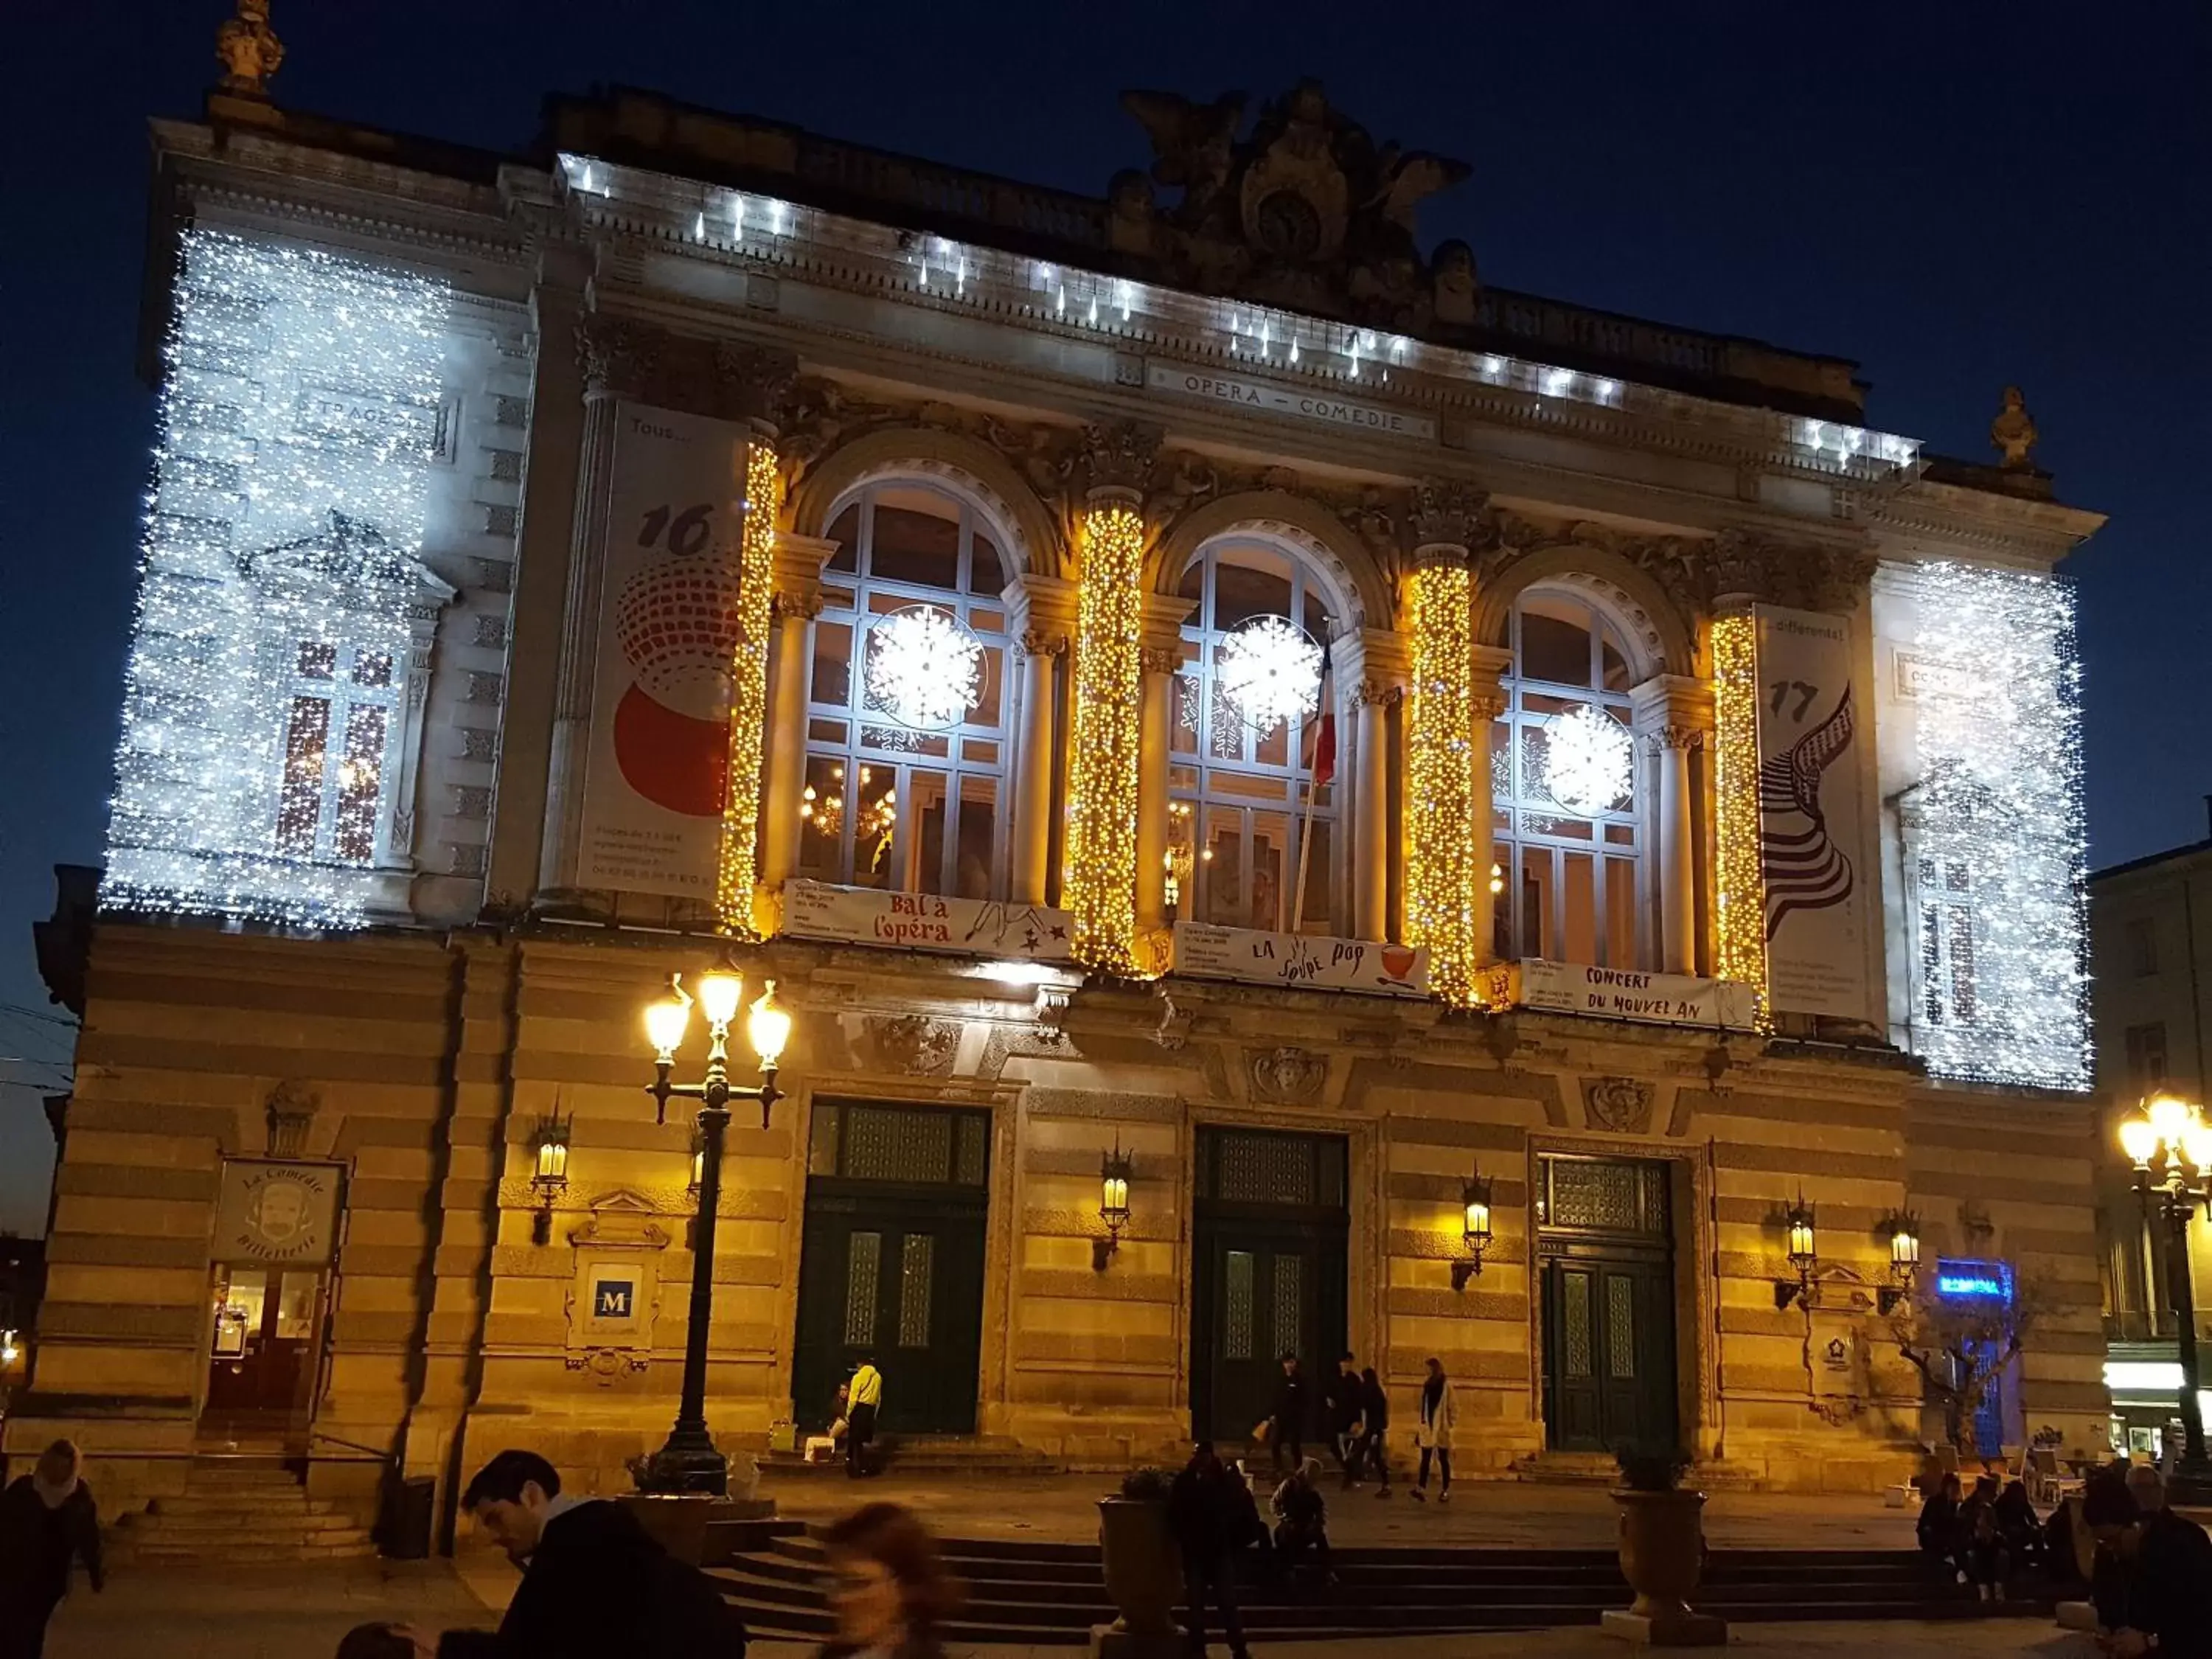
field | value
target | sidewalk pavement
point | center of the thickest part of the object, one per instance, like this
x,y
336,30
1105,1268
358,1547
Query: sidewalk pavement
x,y
299,1612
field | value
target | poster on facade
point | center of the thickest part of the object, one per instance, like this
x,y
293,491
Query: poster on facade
x,y
1255,957
1000,930
1566,987
283,1213
1812,853
659,766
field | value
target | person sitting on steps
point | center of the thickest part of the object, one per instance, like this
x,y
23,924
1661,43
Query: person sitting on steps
x,y
1302,1520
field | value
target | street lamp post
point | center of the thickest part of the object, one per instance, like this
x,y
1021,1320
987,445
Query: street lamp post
x,y
2170,1144
688,1461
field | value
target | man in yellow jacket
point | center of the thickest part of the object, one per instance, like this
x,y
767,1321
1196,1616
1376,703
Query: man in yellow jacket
x,y
863,1395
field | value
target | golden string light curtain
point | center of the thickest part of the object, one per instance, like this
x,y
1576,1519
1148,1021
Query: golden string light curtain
x,y
1100,887
1741,909
740,852
1445,848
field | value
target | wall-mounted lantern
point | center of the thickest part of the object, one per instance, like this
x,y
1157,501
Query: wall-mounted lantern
x,y
1804,1253
550,1177
1114,1171
1903,1229
1474,1228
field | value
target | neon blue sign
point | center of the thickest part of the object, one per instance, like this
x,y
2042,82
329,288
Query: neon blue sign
x,y
1979,1281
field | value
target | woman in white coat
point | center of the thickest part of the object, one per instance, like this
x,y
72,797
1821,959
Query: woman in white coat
x,y
1439,1416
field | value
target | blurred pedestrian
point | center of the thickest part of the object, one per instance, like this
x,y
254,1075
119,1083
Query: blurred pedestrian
x,y
1210,1512
2170,1587
1286,1423
378,1641
594,1583
1339,1407
48,1520
1374,1426
864,1396
1439,1417
888,1586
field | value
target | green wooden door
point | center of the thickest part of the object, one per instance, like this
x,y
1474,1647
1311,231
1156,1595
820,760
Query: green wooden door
x,y
891,1263
1605,1255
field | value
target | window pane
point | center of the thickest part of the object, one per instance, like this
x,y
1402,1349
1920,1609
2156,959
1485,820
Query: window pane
x,y
915,1262
822,820
1290,1336
1554,647
1582,908
1247,582
295,1306
833,664
917,539
1185,721
300,804
1236,1306
1317,854
846,532
883,1143
318,659
863,1263
1272,746
925,816
984,711
1615,665
1533,912
1620,913
373,668
1576,1317
1223,876
1193,585
361,783
1224,725
822,1142
1271,876
979,801
985,573
875,830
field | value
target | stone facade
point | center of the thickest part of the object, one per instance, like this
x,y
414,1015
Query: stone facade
x,y
1660,481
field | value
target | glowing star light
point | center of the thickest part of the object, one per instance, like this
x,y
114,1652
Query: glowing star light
x,y
1269,669
924,669
1589,757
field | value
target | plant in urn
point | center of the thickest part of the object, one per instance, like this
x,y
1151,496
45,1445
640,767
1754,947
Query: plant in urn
x,y
1662,1549
1144,1572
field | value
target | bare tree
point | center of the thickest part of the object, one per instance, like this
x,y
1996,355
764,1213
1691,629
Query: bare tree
x,y
1961,1346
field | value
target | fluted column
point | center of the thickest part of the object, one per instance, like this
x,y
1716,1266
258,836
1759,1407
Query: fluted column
x,y
1485,703
1161,659
1673,715
1041,615
1372,665
798,601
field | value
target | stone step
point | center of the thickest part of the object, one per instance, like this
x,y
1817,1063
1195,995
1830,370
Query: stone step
x,y
201,1526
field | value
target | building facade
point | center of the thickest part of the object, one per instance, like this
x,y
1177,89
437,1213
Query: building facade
x,y
1186,676
2151,980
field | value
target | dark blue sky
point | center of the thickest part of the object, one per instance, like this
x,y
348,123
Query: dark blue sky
x,y
1959,196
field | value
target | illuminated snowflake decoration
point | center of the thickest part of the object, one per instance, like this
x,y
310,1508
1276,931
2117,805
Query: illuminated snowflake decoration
x,y
925,669
1269,669
1588,760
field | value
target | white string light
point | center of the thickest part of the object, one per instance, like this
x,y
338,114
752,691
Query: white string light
x,y
1995,829
925,669
1587,760
1270,669
299,414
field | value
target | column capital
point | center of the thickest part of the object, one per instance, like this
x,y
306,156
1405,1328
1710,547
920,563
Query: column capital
x,y
1446,517
799,560
1673,702
726,379
1492,663
1661,739
1042,607
1375,656
1118,457
1165,615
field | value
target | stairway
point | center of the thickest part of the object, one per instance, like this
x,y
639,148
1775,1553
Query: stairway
x,y
238,1512
962,1455
1051,1594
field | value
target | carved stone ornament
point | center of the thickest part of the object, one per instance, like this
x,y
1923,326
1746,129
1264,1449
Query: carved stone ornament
x,y
607,1365
1119,456
1618,1105
2012,433
1446,514
248,50
1286,1075
290,1113
723,380
1805,578
913,1044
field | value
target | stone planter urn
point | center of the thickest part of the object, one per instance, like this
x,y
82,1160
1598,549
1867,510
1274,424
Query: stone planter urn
x,y
1143,1576
1662,1552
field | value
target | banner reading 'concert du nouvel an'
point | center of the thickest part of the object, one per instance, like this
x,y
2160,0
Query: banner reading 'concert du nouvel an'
x,y
668,625
1812,848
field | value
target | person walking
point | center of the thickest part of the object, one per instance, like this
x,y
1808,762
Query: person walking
x,y
1302,1519
593,1582
1439,1417
48,1522
2169,1603
889,1587
1373,1424
1286,1423
1209,1513
864,1396
1340,1405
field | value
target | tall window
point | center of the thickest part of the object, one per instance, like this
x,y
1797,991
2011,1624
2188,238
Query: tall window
x,y
1949,995
906,730
1244,810
338,730
1568,790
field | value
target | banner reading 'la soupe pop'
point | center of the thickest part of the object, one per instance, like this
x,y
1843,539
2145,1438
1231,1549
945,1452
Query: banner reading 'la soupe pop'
x,y
1811,832
668,625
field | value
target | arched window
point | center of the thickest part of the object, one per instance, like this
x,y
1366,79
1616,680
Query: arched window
x,y
1569,790
906,729
1244,813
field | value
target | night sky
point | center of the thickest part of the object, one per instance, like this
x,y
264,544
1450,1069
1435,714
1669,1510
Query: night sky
x,y
1959,197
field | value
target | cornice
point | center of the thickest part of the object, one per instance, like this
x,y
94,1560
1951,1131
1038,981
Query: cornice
x,y
2013,530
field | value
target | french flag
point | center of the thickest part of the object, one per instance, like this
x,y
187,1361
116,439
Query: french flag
x,y
1324,751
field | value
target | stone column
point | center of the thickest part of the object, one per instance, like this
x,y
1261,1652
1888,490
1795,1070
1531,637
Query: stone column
x,y
1041,616
1371,664
798,601
1672,715
1161,656
1484,705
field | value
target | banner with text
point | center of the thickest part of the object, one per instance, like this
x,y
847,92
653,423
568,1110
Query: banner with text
x,y
919,921
1564,988
1811,847
659,769
1327,964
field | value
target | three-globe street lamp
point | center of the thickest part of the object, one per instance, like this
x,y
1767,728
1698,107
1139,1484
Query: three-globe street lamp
x,y
2170,1144
688,1461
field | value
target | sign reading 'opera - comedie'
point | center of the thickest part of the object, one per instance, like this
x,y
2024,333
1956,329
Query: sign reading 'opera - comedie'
x,y
921,921
1566,987
1328,965
668,626
1811,844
